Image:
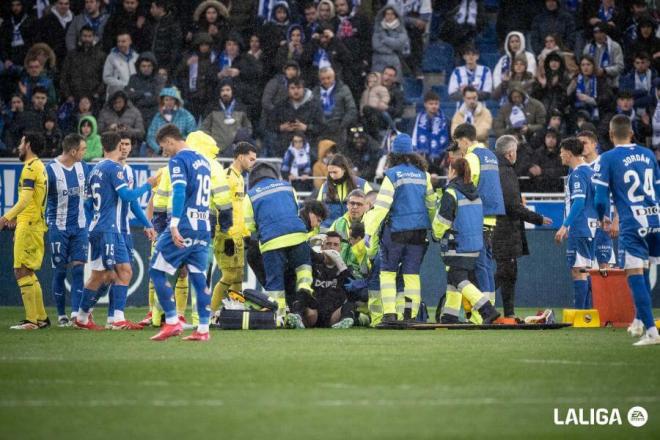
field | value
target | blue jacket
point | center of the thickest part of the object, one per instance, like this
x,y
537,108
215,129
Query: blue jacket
x,y
642,97
408,211
489,186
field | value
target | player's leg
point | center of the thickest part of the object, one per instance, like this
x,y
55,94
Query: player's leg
x,y
24,278
37,248
344,316
505,279
102,246
197,262
299,257
59,257
232,267
28,254
578,257
640,252
181,289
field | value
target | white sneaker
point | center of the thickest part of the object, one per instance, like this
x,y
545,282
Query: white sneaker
x,y
636,328
63,321
25,325
647,340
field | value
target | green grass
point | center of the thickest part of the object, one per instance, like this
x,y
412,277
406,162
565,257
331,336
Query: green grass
x,y
317,384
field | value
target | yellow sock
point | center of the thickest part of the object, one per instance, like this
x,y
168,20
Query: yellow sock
x,y
26,284
452,302
39,299
388,291
375,306
152,293
413,290
193,306
181,295
219,293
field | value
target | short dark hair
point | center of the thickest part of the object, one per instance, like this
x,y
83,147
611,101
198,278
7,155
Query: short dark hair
x,y
588,134
39,89
244,148
316,207
36,140
469,88
110,141
164,4
168,131
621,127
87,28
642,55
465,130
333,234
357,230
297,81
625,94
125,134
431,96
573,145
71,142
391,68
123,31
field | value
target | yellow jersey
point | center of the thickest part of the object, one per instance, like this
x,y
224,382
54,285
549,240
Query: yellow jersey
x,y
33,176
163,195
237,191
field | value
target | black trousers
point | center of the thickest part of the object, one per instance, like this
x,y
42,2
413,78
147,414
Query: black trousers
x,y
505,279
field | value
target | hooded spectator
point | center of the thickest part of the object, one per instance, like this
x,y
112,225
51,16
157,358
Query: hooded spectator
x,y
144,86
519,77
546,170
277,89
82,72
354,30
294,50
225,117
551,83
87,128
375,95
273,32
327,150
93,17
514,45
210,17
588,92
553,20
53,26
127,17
389,41
363,152
17,33
521,114
45,54
119,114
171,111
197,75
646,41
52,137
120,64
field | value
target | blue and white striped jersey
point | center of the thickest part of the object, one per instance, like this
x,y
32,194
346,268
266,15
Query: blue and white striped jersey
x,y
65,209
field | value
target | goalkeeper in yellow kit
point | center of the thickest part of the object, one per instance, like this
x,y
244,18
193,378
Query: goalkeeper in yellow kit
x,y
29,213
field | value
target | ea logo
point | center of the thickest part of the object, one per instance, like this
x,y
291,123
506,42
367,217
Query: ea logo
x,y
637,416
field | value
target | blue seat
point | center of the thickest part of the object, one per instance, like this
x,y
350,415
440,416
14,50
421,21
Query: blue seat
x,y
412,90
492,5
489,59
441,90
493,106
438,58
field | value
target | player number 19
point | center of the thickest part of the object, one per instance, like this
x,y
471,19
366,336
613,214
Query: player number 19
x,y
203,190
648,187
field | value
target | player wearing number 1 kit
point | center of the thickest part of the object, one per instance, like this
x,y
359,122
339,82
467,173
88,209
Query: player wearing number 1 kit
x,y
630,172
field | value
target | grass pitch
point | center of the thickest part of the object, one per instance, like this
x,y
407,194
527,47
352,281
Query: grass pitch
x,y
317,384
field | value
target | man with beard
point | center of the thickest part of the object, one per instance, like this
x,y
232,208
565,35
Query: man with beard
x,y
226,119
82,72
127,18
91,16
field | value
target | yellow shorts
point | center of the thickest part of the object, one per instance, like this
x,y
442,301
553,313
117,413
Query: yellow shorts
x,y
28,246
226,261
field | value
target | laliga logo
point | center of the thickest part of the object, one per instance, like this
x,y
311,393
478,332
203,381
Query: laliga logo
x,y
637,417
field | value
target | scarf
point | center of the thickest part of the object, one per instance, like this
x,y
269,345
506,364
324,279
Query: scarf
x,y
63,20
506,64
431,134
656,126
469,116
16,36
643,81
193,71
581,87
94,23
467,13
229,111
517,117
328,99
391,25
265,8
606,14
321,59
224,60
604,59
125,56
345,29
300,161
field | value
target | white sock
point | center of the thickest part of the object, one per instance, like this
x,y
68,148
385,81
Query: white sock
x,y
82,317
202,328
652,332
119,316
172,321
110,320
637,322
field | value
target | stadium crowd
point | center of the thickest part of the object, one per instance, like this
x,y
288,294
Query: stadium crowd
x,y
336,74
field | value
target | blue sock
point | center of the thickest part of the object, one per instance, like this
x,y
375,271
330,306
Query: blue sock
x,y
77,284
198,281
119,294
581,288
590,302
111,301
164,292
642,299
59,275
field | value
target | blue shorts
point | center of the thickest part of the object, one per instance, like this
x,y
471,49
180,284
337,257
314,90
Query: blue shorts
x,y
128,240
66,247
603,248
108,250
579,252
168,258
638,251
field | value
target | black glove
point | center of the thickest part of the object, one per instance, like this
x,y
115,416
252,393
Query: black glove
x,y
230,249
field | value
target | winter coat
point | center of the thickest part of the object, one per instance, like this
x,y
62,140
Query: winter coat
x,y
274,94
509,239
223,133
553,95
28,33
222,24
342,115
509,58
207,79
553,22
365,159
483,121
82,73
165,40
94,147
143,90
615,67
397,101
516,15
389,45
118,69
28,120
130,117
340,58
43,80
181,118
120,20
589,9
320,167
643,98
78,22
534,113
377,97
51,32
308,112
551,171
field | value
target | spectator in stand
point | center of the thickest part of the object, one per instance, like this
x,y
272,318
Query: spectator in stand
x,y
553,20
300,112
514,45
640,82
363,152
595,13
390,41
119,114
330,51
338,106
655,120
397,100
35,76
164,34
91,16
551,43
10,135
551,83
416,17
589,92
225,117
52,27
33,118
120,64
546,170
143,87
297,163
82,72
516,15
311,24
464,19
645,41
638,11
326,14
473,112
294,50
521,114
277,90
210,17
470,74
273,32
126,18
354,30
519,77
607,54
197,75
46,56
242,18
374,104
555,122
87,128
52,137
430,136
171,111
17,34
625,105
327,150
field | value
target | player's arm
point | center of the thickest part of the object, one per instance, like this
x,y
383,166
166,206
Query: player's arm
x,y
601,182
130,195
24,197
375,217
446,214
248,214
139,214
221,194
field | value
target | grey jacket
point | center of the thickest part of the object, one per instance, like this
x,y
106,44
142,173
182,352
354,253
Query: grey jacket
x,y
342,115
223,134
131,118
388,45
534,113
78,22
615,66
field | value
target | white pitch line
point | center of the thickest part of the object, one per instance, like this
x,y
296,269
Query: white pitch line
x,y
175,403
572,362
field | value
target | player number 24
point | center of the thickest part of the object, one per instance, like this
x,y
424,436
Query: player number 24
x,y
648,187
